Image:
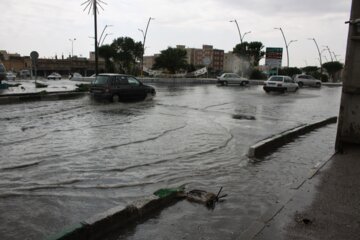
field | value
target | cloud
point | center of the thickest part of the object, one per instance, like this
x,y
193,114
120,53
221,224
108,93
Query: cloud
x,y
46,26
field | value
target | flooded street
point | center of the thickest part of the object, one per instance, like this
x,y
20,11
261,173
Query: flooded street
x,y
64,161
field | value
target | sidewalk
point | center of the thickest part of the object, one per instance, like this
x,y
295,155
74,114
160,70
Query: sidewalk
x,y
326,206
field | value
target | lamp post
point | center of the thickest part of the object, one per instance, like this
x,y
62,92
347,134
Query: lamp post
x,y
335,56
144,39
72,45
105,38
93,5
102,33
327,48
286,44
317,47
241,36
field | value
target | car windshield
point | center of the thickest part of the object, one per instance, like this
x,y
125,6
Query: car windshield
x,y
276,79
101,80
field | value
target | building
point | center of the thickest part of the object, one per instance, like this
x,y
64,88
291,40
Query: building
x,y
149,61
235,64
84,66
207,56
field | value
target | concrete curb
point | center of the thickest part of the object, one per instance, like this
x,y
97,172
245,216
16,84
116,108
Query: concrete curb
x,y
263,147
115,219
39,96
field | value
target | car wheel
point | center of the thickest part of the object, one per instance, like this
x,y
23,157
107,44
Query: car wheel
x,y
242,84
115,98
225,83
300,84
267,91
318,85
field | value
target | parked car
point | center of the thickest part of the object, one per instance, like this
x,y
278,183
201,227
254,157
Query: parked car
x,y
54,76
2,72
10,76
75,76
307,80
232,78
120,87
280,83
24,73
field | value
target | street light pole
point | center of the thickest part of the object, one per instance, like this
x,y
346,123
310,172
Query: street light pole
x,y
238,28
286,44
327,48
102,33
144,39
72,45
105,38
317,47
93,4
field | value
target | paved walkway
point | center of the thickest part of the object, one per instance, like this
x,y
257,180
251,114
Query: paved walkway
x,y
326,206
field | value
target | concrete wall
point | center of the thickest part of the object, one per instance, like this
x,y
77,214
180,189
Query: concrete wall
x,y
349,117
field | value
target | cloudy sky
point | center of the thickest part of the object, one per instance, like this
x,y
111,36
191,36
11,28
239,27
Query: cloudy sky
x,y
47,25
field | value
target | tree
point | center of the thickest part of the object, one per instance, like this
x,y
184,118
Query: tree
x,y
251,51
332,68
172,59
127,53
108,53
291,71
310,69
121,55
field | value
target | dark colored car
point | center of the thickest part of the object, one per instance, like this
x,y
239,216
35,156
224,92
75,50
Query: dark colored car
x,y
2,72
120,87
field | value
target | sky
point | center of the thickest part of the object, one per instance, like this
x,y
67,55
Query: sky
x,y
46,26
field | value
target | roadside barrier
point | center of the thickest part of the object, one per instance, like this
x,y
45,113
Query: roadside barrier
x,y
268,145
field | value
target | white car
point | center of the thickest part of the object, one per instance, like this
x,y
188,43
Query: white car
x,y
232,78
54,76
281,84
307,80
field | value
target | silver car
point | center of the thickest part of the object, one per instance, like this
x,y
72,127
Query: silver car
x,y
307,80
232,78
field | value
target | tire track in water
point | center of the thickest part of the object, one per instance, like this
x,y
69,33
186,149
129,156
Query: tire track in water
x,y
20,166
188,157
125,144
37,186
23,140
31,164
97,126
216,105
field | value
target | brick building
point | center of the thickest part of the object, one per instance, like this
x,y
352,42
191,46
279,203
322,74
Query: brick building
x,y
84,66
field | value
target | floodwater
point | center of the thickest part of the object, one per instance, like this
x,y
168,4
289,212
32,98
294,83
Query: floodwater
x,y
64,161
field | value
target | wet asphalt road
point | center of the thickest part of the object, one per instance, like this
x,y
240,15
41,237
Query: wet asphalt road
x,y
63,161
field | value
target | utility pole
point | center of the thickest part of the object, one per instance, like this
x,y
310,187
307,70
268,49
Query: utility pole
x,y
94,4
96,42
349,116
